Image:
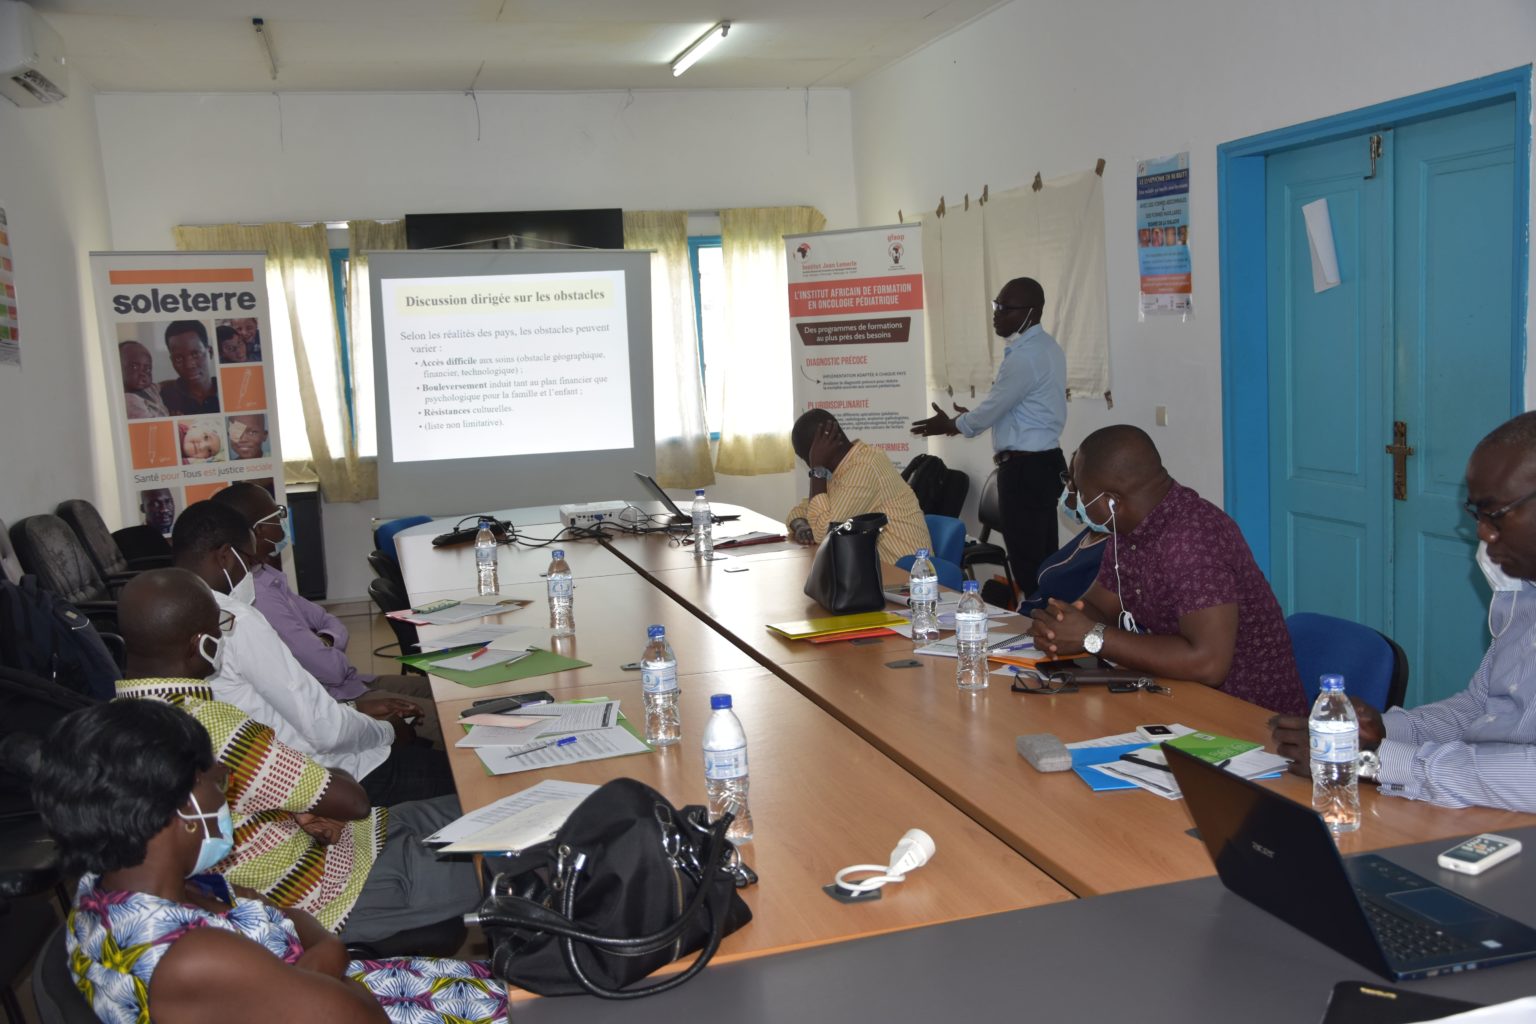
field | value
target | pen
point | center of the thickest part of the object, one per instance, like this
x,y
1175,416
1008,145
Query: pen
x,y
478,653
552,743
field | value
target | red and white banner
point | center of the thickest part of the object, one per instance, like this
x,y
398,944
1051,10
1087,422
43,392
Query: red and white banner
x,y
856,322
188,363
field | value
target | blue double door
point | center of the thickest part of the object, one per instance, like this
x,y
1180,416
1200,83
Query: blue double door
x,y
1380,387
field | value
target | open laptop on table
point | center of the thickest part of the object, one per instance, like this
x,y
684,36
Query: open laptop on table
x,y
1280,856
678,515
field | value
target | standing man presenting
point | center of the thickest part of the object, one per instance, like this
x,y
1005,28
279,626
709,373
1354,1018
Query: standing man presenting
x,y
1026,410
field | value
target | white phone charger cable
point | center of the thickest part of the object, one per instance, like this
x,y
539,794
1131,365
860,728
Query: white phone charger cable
x,y
913,851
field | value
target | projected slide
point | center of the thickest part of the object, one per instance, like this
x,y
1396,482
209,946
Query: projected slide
x,y
523,364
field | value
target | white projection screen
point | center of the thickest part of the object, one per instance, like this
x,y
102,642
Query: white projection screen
x,y
507,379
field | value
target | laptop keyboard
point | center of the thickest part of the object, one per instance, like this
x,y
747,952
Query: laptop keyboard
x,y
1409,939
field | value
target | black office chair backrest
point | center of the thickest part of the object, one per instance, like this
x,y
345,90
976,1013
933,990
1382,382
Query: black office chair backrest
x,y
53,986
957,484
10,565
988,510
49,549
88,525
1398,688
391,598
144,546
386,568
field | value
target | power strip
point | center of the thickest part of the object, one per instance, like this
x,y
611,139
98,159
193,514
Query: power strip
x,y
591,513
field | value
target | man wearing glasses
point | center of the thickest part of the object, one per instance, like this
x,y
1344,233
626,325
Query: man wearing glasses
x,y
1477,748
1026,410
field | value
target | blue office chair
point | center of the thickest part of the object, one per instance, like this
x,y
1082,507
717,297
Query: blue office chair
x,y
948,536
1374,668
950,574
384,533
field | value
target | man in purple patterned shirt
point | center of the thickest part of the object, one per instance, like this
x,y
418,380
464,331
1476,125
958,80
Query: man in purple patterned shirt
x,y
1178,594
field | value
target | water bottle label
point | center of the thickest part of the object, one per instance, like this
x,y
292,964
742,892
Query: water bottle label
x,y
561,588
725,764
659,680
971,628
925,590
1336,747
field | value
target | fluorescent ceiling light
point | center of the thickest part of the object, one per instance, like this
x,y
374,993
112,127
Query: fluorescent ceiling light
x,y
701,46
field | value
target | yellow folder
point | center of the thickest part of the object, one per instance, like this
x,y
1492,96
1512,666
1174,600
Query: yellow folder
x,y
803,629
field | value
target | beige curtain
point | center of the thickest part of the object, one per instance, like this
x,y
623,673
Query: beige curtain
x,y
758,401
365,236
682,438
306,352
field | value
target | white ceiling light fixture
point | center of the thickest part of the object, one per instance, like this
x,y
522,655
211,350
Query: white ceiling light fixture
x,y
701,46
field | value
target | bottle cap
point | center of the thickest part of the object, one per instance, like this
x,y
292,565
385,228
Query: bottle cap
x,y
557,553
1332,682
699,493
969,587
720,702
655,631
922,552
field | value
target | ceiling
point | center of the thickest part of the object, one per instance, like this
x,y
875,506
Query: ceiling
x,y
455,45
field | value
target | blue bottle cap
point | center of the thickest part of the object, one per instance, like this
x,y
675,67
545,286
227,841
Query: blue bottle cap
x,y
969,586
1332,682
720,702
922,552
699,493
655,631
557,553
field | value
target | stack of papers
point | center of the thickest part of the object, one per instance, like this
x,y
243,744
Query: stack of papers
x,y
446,613
804,629
546,735
513,823
486,633
1099,762
998,644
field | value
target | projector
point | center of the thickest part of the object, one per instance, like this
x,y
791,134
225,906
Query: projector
x,y
591,513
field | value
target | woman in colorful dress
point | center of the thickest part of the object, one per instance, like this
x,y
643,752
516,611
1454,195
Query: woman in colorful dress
x,y
133,796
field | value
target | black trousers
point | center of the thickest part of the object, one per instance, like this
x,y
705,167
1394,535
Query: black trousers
x,y
415,771
1028,486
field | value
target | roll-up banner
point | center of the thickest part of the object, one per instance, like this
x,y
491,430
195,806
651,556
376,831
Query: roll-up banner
x,y
188,365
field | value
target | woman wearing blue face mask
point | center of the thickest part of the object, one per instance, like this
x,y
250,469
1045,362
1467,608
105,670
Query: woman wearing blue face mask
x,y
1069,573
133,796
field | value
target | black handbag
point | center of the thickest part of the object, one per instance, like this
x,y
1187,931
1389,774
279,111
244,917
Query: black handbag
x,y
845,577
628,885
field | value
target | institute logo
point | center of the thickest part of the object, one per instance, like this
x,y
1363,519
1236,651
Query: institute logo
x,y
803,250
896,250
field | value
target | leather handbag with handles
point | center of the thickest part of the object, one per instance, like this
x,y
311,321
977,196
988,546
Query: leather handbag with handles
x,y
845,577
628,885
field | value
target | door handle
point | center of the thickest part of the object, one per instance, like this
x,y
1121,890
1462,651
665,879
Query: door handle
x,y
1399,449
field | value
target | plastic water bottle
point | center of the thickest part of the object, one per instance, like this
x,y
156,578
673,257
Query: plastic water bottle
x,y
1335,739
485,559
658,676
971,638
703,526
562,596
725,768
923,599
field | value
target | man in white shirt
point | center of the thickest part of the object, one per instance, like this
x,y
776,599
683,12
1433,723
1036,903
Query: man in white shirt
x,y
368,739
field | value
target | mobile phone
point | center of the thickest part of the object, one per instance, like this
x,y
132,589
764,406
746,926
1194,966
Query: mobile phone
x,y
534,697
1154,733
1064,665
492,706
1479,853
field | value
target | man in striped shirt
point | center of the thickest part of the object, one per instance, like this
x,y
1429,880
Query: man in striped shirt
x,y
305,836
1477,748
849,478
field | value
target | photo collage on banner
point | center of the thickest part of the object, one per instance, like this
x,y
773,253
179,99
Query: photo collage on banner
x,y
1162,235
190,374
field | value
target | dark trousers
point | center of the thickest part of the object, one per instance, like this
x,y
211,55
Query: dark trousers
x,y
1028,486
413,771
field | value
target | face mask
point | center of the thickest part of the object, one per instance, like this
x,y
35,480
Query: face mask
x,y
245,590
1082,514
216,658
215,847
278,547
1068,509
1502,583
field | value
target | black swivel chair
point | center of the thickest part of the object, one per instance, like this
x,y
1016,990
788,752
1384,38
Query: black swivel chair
x,y
111,561
10,565
391,598
386,568
53,987
980,551
49,550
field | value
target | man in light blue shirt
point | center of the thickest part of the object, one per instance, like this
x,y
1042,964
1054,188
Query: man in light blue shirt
x,y
1026,410
1477,748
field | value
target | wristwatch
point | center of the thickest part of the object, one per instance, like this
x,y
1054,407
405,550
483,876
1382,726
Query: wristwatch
x,y
821,472
1369,765
1093,643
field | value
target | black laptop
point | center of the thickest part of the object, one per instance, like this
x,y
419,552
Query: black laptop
x,y
1280,856
678,515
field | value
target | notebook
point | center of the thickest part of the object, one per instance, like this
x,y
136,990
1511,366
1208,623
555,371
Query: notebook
x,y
1279,855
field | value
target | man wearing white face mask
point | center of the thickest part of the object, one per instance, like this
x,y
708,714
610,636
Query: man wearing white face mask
x,y
369,738
1477,748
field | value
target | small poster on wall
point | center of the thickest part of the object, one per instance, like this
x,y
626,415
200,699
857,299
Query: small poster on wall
x,y
1162,235
10,330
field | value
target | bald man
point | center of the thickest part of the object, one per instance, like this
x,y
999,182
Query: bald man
x,y
1026,410
308,837
1477,748
1178,594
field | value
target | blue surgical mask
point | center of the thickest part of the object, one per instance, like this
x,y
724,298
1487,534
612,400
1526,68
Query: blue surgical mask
x,y
278,547
215,847
1082,512
1068,509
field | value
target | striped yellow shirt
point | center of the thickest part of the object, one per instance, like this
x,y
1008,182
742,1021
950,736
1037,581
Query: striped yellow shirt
x,y
865,481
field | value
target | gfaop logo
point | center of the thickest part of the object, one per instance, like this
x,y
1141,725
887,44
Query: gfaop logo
x,y
895,249
803,250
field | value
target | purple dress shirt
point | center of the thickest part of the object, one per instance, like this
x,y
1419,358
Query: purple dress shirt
x,y
301,623
1188,555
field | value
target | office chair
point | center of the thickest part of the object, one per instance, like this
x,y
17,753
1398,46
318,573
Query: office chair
x,y
49,550
390,598
1374,667
386,568
947,535
981,550
53,986
384,534
101,545
10,565
144,546
24,928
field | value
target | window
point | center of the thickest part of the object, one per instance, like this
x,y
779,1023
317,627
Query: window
x,y
705,254
340,284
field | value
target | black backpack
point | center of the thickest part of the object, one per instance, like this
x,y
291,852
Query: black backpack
x,y
44,635
927,476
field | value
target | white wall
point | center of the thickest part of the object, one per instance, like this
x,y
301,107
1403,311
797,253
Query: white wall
x,y
213,158
55,439
1052,85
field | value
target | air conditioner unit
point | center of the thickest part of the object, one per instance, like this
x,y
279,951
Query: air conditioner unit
x,y
31,57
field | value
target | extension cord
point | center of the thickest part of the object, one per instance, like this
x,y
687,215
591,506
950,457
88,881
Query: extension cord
x,y
914,849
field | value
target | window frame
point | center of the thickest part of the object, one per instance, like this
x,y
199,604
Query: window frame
x,y
695,243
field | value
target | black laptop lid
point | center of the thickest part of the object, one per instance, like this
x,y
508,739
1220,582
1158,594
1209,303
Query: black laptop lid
x,y
660,495
1277,855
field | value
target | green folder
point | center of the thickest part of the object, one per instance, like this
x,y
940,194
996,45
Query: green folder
x,y
1211,747
537,663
